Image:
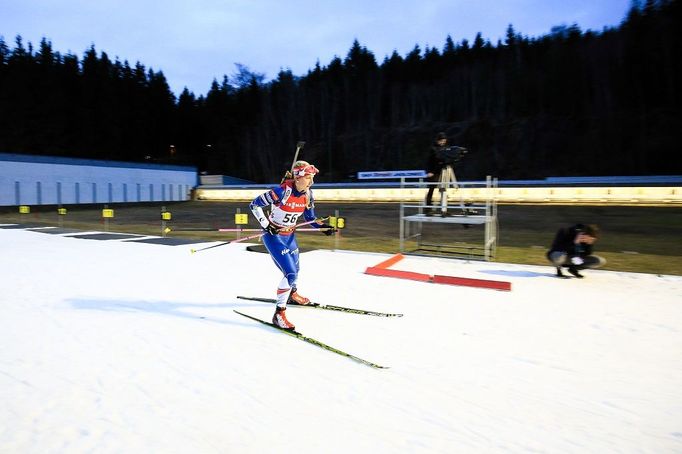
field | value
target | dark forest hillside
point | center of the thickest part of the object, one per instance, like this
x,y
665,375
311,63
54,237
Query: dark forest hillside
x,y
571,102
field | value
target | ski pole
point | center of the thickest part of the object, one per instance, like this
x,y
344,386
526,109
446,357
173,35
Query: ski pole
x,y
192,229
256,230
258,235
211,229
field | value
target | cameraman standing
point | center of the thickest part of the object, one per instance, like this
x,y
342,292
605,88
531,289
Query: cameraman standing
x,y
435,164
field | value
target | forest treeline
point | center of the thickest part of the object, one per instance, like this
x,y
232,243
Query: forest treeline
x,y
571,102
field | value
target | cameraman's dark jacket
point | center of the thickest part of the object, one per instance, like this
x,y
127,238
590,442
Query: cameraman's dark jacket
x,y
564,242
435,163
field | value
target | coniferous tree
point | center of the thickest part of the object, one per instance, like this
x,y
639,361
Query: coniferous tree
x,y
569,102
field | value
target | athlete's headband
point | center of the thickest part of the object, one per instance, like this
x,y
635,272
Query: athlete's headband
x,y
303,168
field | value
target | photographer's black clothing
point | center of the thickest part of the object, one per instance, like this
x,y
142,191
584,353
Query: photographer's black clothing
x,y
564,241
434,165
564,251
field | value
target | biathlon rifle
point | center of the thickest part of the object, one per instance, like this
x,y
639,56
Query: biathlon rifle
x,y
290,173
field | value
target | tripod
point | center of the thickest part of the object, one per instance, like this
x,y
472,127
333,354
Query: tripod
x,y
447,180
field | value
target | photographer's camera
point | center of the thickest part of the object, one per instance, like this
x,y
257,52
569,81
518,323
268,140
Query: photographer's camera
x,y
450,155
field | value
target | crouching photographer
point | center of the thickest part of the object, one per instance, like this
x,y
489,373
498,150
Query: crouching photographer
x,y
572,249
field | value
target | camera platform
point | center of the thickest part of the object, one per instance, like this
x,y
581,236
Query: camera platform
x,y
449,219
426,229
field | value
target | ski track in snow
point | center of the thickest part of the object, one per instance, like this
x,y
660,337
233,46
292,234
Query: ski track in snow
x,y
117,346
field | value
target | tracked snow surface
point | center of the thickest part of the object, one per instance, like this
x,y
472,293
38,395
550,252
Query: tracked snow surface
x,y
123,346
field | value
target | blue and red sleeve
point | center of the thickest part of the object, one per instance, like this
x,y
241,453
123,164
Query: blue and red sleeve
x,y
272,197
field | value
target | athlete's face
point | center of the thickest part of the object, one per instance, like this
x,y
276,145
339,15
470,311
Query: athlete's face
x,y
304,182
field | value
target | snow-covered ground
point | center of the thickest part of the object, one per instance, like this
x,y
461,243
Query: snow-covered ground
x,y
128,347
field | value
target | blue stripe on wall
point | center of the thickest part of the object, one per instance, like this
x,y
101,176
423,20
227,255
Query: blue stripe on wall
x,y
13,157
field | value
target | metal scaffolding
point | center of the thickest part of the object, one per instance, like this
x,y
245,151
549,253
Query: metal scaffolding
x,y
466,213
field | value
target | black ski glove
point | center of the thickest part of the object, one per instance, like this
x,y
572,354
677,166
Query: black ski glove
x,y
272,229
330,230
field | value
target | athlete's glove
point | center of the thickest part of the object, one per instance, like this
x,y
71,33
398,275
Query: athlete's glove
x,y
272,229
329,230
577,261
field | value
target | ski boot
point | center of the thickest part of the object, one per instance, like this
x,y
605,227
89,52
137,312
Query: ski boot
x,y
280,319
295,298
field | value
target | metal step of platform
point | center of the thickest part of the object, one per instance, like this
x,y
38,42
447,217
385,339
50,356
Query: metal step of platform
x,y
448,219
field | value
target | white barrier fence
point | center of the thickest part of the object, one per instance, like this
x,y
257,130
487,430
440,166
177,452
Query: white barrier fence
x,y
650,196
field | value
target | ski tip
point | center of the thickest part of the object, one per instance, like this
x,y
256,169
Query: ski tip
x,y
192,251
377,366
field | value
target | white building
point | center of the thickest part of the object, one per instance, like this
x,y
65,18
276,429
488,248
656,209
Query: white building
x,y
46,180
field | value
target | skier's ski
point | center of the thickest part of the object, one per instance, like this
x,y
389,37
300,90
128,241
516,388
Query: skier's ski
x,y
316,342
322,306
